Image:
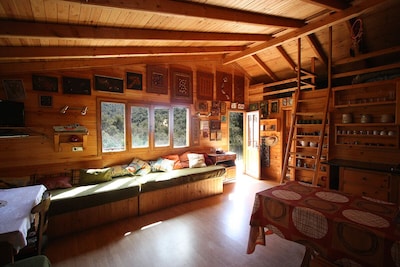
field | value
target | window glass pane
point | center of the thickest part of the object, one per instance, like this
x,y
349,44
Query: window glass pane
x,y
161,127
181,127
113,126
140,127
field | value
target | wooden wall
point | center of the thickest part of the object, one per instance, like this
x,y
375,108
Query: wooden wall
x,y
36,153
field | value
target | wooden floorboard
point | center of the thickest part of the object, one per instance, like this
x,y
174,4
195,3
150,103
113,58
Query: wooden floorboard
x,y
207,232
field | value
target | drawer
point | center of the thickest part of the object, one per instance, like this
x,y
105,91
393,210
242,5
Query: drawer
x,y
373,179
366,191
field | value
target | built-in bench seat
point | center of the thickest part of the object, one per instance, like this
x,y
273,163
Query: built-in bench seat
x,y
83,207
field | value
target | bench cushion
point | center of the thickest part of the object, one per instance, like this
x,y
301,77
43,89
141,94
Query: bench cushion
x,y
160,180
86,196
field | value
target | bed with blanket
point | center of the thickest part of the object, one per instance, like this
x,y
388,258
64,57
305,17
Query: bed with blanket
x,y
101,196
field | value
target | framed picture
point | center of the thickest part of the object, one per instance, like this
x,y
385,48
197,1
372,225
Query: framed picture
x,y
79,86
14,90
108,84
223,107
202,106
205,85
215,108
219,135
274,106
264,109
224,86
134,81
223,118
45,101
213,135
234,105
238,90
215,125
195,131
253,106
157,79
44,83
241,106
181,86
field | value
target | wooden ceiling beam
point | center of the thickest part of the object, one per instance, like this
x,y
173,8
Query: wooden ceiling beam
x,y
265,68
287,58
336,5
328,21
190,9
7,68
22,29
32,52
316,46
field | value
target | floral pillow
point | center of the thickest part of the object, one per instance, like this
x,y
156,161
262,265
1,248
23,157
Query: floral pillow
x,y
120,170
139,167
162,165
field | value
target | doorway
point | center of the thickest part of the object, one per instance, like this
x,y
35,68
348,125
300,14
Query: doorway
x,y
236,137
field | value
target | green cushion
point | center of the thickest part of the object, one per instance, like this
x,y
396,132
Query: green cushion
x,y
94,176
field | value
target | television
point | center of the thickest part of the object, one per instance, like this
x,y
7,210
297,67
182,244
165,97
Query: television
x,y
12,114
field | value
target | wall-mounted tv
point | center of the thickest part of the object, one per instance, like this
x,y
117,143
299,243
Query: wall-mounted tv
x,y
12,114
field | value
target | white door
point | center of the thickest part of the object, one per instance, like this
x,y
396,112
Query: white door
x,y
252,157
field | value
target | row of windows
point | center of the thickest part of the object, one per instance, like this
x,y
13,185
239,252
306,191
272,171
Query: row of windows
x,y
148,126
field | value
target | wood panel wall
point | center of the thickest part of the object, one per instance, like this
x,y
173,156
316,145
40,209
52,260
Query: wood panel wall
x,y
36,154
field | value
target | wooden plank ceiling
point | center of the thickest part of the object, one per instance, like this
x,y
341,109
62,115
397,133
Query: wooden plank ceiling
x,y
258,36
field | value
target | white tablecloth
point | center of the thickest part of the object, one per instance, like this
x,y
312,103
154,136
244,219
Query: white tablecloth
x,y
15,213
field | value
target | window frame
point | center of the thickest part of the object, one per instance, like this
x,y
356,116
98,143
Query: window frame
x,y
128,125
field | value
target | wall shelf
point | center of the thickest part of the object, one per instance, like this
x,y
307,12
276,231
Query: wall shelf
x,y
63,141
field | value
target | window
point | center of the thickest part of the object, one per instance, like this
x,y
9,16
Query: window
x,y
113,130
149,126
161,126
181,127
140,127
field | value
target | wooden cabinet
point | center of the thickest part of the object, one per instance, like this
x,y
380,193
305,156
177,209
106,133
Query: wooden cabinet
x,y
378,185
367,115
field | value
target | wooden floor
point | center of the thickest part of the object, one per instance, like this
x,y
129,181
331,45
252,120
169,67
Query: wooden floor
x,y
207,232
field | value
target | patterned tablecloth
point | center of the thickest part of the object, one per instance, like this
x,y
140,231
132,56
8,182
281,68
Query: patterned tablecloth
x,y
345,229
15,213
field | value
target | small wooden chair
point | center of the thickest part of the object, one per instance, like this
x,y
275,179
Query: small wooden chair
x,y
36,238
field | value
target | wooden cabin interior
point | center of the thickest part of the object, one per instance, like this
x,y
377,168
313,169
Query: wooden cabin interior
x,y
317,82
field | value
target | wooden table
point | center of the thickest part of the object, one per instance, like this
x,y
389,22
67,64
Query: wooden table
x,y
15,213
338,226
228,160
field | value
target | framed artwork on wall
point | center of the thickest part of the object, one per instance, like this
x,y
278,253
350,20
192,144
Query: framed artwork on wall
x,y
264,109
274,106
215,108
79,86
157,79
14,90
181,86
108,84
44,83
253,106
45,101
224,86
134,81
238,89
202,106
205,85
195,131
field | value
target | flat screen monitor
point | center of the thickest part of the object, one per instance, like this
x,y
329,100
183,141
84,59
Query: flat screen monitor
x,y
12,114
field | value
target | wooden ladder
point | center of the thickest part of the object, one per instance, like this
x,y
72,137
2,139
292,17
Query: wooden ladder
x,y
308,124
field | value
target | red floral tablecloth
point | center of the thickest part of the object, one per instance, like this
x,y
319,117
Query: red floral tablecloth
x,y
346,229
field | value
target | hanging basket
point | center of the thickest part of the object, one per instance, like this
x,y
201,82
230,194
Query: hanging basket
x,y
271,140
